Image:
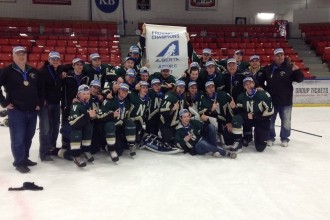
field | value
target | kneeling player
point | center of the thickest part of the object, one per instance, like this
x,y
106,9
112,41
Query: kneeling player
x,y
256,108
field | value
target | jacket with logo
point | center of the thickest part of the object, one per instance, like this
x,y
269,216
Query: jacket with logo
x,y
279,79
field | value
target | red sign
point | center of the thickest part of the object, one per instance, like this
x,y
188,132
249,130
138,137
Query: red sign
x,y
52,2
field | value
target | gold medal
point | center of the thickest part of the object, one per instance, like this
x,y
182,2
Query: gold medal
x,y
26,83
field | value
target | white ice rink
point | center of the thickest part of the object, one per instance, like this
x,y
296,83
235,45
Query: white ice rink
x,y
280,183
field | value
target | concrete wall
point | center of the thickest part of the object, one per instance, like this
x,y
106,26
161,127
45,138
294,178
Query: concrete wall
x,y
170,11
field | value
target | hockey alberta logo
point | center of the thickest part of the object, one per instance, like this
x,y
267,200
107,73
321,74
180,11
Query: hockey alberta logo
x,y
172,49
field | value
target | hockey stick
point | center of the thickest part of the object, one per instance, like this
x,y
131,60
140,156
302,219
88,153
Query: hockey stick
x,y
316,135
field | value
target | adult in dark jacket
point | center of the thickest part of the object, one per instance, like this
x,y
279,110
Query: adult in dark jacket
x,y
24,96
279,77
50,112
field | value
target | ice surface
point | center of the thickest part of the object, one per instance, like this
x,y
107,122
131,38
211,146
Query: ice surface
x,y
280,183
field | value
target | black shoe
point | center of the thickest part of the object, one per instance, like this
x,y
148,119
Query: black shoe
x,y
22,169
30,163
46,159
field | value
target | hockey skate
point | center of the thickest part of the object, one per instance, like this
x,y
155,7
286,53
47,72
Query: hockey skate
x,y
132,150
237,147
221,141
79,162
245,142
231,155
88,156
114,156
216,154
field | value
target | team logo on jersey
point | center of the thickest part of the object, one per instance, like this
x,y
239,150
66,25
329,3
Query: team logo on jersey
x,y
172,49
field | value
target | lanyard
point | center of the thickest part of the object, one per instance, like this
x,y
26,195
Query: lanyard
x,y
51,73
23,73
78,81
186,128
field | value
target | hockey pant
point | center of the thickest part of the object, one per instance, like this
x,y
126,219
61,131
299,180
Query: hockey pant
x,y
98,138
261,132
152,126
119,137
237,130
80,140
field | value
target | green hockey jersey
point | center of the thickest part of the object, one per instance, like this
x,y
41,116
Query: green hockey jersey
x,y
194,128
167,115
223,112
79,116
260,104
109,106
139,106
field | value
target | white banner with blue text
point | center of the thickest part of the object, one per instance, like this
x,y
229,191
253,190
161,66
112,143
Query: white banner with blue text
x,y
166,46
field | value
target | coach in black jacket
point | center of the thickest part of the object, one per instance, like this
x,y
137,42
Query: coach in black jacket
x,y
279,77
24,96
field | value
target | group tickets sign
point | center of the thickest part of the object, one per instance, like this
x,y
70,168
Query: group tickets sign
x,y
166,46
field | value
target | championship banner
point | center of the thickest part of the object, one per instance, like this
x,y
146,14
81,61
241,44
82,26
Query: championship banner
x,y
166,46
312,92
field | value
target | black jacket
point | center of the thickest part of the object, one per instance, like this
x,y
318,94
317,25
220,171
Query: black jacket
x,y
52,82
24,97
279,82
70,87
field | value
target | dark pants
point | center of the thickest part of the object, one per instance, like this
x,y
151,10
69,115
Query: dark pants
x,y
22,127
261,132
152,126
208,142
168,133
49,124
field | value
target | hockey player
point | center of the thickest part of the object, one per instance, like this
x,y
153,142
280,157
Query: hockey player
x,y
192,74
194,97
211,74
173,102
70,85
81,114
255,70
119,129
143,75
121,70
99,71
233,79
217,105
196,138
167,81
138,112
98,140
256,108
156,97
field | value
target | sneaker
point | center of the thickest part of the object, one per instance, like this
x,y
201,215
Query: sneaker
x,y
88,156
79,162
231,155
237,147
216,154
132,150
22,169
270,143
46,159
114,156
29,163
284,143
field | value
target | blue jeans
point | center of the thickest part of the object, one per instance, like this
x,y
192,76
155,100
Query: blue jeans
x,y
49,124
22,127
208,142
285,116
